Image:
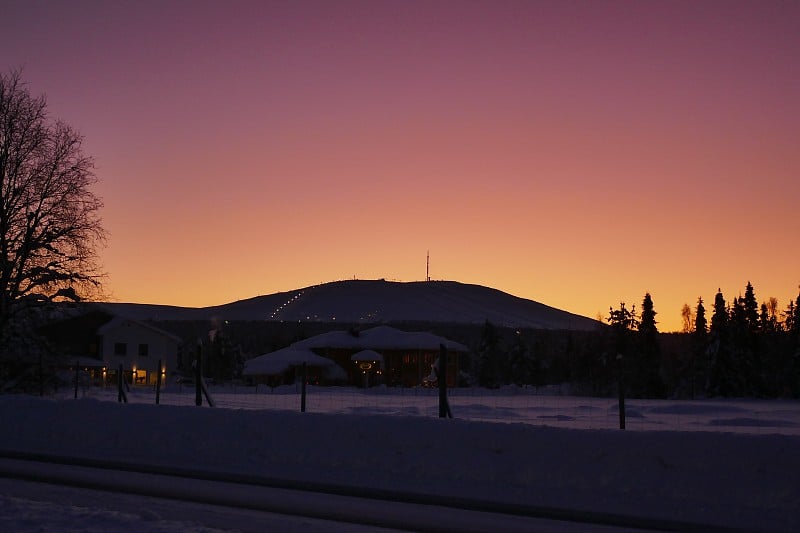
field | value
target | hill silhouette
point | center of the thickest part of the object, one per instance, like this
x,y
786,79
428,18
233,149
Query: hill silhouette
x,y
377,301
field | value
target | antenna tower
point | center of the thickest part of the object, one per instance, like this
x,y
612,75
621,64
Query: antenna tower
x,y
428,267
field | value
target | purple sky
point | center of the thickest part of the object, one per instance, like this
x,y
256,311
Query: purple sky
x,y
574,153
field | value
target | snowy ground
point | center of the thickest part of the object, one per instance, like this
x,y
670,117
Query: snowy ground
x,y
509,404
729,463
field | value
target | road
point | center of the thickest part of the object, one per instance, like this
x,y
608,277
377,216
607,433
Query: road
x,y
78,497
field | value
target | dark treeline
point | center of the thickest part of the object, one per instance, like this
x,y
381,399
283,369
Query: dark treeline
x,y
737,348
743,349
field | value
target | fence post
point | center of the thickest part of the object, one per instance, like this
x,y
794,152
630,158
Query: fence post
x,y
158,383
209,398
304,377
77,370
621,385
198,374
120,384
441,378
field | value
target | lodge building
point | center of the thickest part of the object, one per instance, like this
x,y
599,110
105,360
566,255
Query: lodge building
x,y
379,355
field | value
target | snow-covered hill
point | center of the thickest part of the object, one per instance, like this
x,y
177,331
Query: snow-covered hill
x,y
379,301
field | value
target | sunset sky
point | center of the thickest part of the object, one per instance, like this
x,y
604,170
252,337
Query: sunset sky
x,y
574,153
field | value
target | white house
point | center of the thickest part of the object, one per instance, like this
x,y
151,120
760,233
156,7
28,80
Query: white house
x,y
138,347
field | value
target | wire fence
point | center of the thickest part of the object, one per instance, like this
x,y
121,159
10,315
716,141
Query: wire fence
x,y
548,406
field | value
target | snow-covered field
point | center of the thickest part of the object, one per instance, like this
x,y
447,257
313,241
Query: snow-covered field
x,y
723,463
544,407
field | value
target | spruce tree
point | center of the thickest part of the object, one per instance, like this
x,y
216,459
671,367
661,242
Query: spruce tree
x,y
740,375
718,356
719,319
764,322
700,324
697,363
789,321
746,376
750,307
623,324
647,322
649,361
737,318
623,319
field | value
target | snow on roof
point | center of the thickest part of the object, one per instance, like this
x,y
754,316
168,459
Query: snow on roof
x,y
280,361
119,321
83,361
86,362
367,355
380,338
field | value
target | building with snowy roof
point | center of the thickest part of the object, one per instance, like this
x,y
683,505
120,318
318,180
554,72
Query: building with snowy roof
x,y
139,348
379,355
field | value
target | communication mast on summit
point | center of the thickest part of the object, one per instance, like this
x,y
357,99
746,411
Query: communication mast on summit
x,y
428,267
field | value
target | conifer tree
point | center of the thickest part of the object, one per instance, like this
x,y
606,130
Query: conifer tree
x,y
647,324
700,325
746,372
648,369
737,315
764,323
791,366
750,308
719,319
623,319
718,355
623,324
697,366
789,317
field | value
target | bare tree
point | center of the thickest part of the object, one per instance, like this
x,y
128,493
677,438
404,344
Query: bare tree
x,y
688,319
50,229
772,308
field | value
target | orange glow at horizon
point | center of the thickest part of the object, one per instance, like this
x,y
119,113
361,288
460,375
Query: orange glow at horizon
x,y
577,154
